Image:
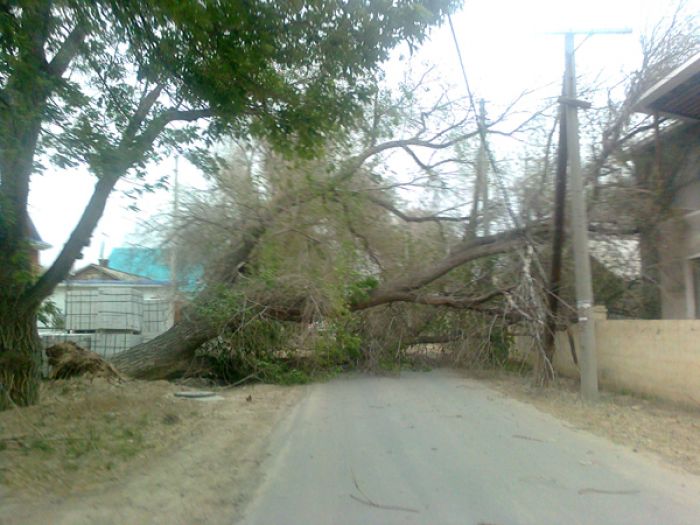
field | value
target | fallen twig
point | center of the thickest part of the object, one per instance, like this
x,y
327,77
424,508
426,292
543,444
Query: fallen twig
x,y
379,506
520,436
603,491
365,499
246,378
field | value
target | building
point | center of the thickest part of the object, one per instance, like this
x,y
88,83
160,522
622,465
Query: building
x,y
108,310
674,154
36,244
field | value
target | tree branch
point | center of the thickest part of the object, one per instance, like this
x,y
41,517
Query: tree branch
x,y
409,218
468,251
67,52
416,141
145,105
156,126
433,339
128,153
462,303
79,238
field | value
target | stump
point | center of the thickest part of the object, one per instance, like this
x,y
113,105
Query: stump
x,y
70,360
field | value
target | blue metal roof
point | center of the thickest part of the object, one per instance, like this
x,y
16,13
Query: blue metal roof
x,y
153,264
107,282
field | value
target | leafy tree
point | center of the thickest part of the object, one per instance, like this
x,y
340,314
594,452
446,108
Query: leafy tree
x,y
114,84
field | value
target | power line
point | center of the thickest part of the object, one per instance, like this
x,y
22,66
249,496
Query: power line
x,y
461,65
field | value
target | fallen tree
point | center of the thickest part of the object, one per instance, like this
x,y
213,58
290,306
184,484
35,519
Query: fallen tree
x,y
112,86
269,213
171,353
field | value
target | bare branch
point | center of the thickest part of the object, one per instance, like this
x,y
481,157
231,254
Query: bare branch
x,y
408,218
468,251
145,104
464,303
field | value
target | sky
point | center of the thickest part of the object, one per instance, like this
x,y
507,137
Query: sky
x,y
506,46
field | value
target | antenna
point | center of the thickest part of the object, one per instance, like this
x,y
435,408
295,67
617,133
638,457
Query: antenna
x,y
591,32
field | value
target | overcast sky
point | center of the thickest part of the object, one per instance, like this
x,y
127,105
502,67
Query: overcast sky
x,y
505,46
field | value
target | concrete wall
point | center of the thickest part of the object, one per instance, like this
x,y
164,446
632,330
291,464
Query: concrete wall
x,y
672,269
649,357
679,244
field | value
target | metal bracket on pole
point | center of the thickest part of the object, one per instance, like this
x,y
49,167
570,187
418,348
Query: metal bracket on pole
x,y
577,103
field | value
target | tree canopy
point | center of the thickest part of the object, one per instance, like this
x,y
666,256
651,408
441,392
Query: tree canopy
x,y
113,85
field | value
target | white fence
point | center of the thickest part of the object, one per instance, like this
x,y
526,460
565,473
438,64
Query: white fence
x,y
91,309
109,320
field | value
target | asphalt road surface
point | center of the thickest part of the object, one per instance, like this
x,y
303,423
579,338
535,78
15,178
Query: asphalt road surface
x,y
434,448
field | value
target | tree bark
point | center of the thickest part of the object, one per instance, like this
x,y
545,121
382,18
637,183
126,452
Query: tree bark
x,y
169,354
20,358
543,363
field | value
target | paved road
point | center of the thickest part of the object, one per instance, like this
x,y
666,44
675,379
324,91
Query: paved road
x,y
434,449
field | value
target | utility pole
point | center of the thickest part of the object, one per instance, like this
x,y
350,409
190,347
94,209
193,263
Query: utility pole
x,y
579,221
588,364
483,169
175,225
481,190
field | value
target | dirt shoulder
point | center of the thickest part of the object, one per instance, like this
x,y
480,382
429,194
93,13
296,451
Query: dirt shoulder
x,y
645,425
99,452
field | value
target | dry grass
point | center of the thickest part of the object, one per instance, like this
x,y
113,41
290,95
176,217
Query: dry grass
x,y
97,452
643,424
87,431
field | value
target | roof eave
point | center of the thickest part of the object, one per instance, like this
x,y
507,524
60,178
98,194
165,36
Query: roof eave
x,y
40,245
671,81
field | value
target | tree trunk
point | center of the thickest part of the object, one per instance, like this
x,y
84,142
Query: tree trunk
x,y
168,355
20,357
651,285
543,363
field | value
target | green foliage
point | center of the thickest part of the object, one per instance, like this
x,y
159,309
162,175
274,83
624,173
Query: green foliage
x,y
251,350
114,85
41,445
50,315
220,304
303,69
284,353
499,345
337,344
358,291
281,373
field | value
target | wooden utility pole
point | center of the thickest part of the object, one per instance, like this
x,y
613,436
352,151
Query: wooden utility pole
x,y
588,365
